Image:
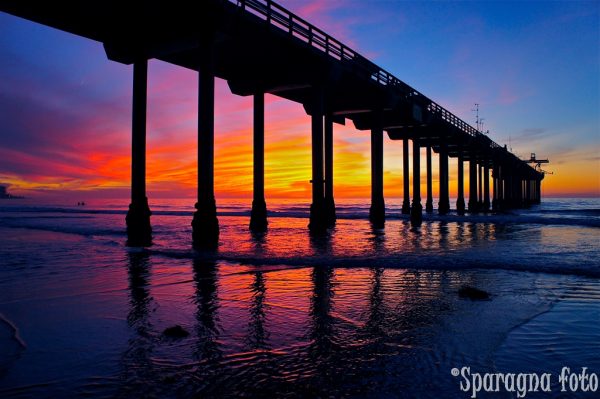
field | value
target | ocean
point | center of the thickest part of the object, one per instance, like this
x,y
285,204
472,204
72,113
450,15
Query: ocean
x,y
355,312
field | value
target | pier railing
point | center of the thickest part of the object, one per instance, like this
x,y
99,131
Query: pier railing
x,y
278,16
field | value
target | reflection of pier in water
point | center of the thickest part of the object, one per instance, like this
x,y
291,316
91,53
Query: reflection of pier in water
x,y
137,364
260,47
312,336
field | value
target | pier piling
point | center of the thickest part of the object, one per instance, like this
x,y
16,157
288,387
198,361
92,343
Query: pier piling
x,y
429,202
460,200
416,211
377,211
486,186
406,177
317,208
139,230
472,184
329,200
444,203
205,225
258,216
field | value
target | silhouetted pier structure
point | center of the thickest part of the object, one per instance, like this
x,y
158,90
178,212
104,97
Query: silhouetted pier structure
x,y
259,47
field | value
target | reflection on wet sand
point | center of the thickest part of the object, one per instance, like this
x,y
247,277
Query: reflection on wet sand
x,y
259,330
316,330
377,239
258,335
321,329
373,326
352,241
206,299
137,363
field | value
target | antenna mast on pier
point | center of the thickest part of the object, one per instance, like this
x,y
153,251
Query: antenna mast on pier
x,y
477,121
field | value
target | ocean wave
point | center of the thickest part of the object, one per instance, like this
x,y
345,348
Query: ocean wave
x,y
11,343
91,231
434,260
14,331
590,212
582,217
412,261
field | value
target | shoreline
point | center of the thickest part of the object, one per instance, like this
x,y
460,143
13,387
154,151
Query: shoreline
x,y
358,312
450,331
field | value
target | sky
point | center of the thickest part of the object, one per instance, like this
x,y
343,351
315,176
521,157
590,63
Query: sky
x,y
532,66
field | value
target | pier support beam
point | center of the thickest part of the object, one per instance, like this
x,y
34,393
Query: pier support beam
x,y
518,189
377,211
406,177
486,186
329,201
495,189
501,188
517,184
429,203
416,211
515,202
513,192
444,204
472,184
505,190
480,186
460,200
521,192
205,226
509,190
258,216
317,208
139,231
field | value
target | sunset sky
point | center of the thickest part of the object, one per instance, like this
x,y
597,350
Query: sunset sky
x,y
533,66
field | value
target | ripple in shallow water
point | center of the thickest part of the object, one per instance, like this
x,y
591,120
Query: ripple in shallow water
x,y
357,313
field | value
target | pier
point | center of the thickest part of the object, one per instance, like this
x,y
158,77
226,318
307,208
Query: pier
x,y
259,47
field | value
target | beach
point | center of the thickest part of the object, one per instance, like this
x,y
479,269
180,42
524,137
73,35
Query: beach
x,y
356,312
